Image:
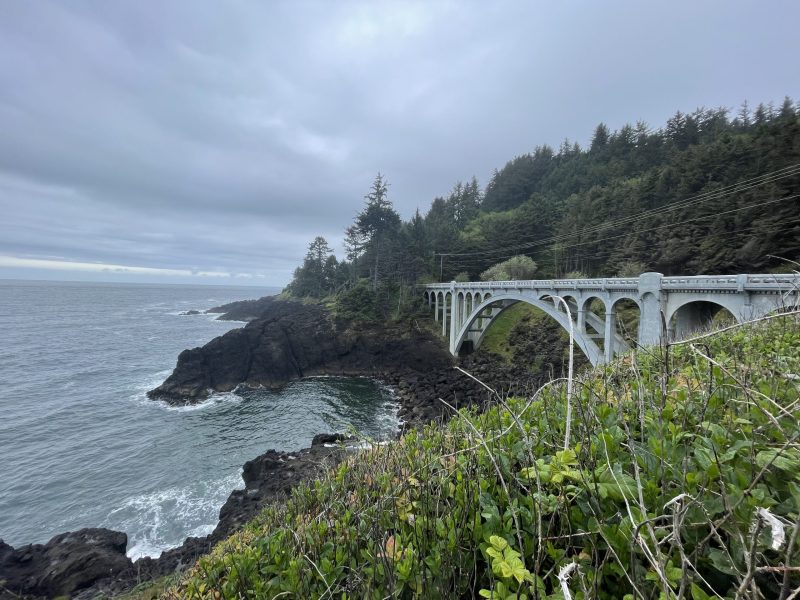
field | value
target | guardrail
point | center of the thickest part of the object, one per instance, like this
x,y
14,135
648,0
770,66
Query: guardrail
x,y
745,282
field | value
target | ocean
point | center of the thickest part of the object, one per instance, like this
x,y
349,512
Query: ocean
x,y
82,446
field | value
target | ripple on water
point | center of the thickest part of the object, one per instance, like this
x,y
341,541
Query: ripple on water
x,y
83,446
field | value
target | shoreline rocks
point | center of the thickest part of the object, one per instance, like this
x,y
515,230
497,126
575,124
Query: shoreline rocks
x,y
68,562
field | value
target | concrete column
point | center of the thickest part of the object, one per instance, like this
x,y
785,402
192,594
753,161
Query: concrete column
x,y
444,314
608,335
687,320
453,312
580,321
455,323
652,301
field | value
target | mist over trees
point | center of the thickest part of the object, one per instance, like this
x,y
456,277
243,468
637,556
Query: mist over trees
x,y
682,199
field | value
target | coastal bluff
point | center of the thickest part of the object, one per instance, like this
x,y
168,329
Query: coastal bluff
x,y
287,340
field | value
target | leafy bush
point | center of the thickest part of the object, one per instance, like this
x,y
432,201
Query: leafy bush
x,y
359,303
516,267
680,479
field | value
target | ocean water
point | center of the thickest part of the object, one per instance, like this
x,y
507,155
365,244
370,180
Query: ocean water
x,y
82,446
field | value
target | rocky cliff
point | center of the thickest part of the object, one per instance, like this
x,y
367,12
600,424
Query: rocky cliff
x,y
289,340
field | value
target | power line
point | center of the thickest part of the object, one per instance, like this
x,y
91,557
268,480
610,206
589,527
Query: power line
x,y
639,231
705,197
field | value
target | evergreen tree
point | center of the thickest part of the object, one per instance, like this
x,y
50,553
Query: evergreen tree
x,y
377,222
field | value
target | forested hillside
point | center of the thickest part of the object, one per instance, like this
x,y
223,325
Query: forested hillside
x,y
706,193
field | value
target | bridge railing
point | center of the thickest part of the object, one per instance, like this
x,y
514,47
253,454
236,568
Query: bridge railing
x,y
547,284
747,282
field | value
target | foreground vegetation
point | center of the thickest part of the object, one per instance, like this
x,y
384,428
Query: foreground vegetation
x,y
673,473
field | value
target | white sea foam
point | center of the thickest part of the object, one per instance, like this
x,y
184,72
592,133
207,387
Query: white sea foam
x,y
157,521
182,313
213,400
141,388
140,396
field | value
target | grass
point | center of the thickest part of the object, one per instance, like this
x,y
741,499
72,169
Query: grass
x,y
496,338
680,479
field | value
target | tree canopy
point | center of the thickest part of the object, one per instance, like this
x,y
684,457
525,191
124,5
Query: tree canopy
x,y
705,193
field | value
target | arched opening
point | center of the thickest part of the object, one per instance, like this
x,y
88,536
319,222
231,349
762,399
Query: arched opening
x,y
458,308
593,320
573,304
527,336
626,316
697,316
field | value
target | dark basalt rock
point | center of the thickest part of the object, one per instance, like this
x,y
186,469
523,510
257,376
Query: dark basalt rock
x,y
330,438
66,564
188,313
293,340
243,310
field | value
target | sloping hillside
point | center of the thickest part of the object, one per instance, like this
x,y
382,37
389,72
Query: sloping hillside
x,y
670,473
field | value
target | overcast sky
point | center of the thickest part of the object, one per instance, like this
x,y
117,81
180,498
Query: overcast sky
x,y
190,141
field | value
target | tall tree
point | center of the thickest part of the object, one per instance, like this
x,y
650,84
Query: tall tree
x,y
315,277
377,221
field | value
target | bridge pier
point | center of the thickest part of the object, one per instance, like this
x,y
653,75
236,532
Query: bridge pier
x,y
608,335
650,309
580,320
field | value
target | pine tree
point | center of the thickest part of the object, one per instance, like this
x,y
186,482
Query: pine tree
x,y
377,221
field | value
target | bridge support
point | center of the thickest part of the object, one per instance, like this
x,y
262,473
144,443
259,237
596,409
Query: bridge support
x,y
650,305
608,335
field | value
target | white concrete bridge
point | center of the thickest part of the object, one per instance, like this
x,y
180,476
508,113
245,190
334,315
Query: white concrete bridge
x,y
667,306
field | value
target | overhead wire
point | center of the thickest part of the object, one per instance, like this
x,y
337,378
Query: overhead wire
x,y
640,231
788,225
700,198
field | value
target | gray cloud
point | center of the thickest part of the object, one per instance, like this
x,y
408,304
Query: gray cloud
x,y
224,136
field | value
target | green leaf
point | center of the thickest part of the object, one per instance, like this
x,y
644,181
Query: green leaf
x,y
698,594
787,459
498,542
721,561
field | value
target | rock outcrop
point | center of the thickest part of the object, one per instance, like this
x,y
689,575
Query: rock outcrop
x,y
293,340
66,564
243,310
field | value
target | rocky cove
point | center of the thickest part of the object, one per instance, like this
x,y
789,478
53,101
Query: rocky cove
x,y
281,342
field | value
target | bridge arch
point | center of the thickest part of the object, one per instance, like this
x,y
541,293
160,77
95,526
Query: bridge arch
x,y
627,312
693,315
500,302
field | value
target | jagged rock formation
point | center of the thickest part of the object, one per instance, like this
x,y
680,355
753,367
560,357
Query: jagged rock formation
x,y
67,563
293,340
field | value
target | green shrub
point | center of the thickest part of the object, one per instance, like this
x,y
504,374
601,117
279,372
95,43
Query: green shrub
x,y
358,303
681,467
